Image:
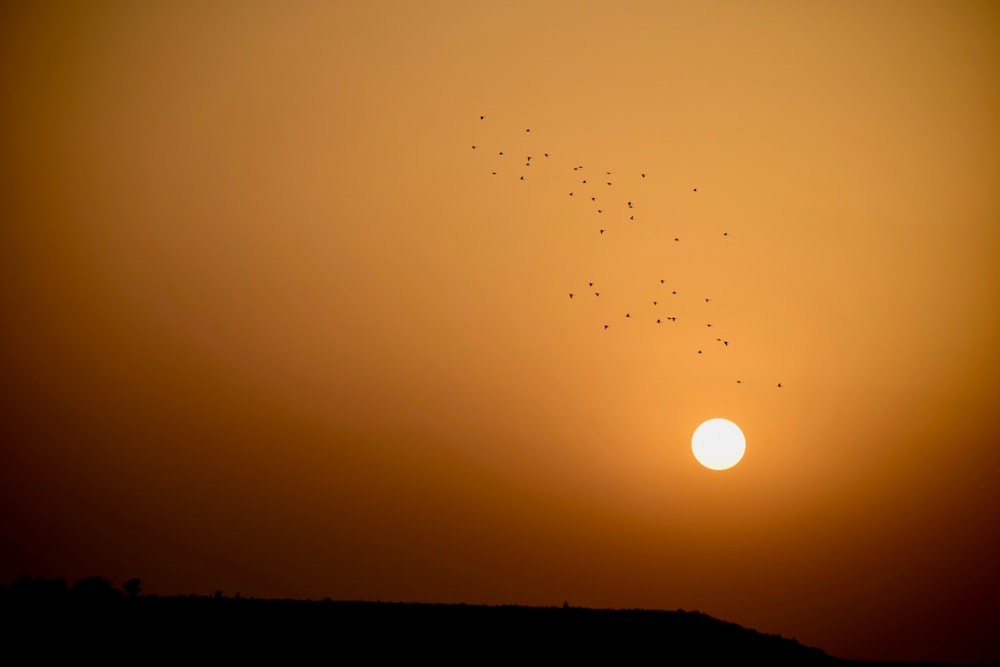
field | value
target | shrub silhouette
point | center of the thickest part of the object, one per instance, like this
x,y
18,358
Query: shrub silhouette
x,y
95,588
132,587
36,590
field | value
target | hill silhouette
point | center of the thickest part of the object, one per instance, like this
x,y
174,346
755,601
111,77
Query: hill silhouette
x,y
93,618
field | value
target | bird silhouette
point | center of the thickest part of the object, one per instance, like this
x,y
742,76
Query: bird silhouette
x,y
695,190
571,295
779,385
602,231
643,175
481,117
597,294
606,326
627,315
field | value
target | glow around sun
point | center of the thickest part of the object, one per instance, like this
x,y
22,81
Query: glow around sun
x,y
718,444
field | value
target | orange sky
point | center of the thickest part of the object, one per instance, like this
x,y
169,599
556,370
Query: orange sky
x,y
271,325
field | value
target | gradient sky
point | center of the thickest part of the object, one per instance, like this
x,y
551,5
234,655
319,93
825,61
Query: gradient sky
x,y
271,325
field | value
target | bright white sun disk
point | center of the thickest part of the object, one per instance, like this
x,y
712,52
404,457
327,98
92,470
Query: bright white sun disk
x,y
718,444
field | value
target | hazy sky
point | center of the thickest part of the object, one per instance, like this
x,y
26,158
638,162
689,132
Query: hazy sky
x,y
271,325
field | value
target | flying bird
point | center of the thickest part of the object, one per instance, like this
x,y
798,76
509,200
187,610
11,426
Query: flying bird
x,y
481,117
571,295
695,190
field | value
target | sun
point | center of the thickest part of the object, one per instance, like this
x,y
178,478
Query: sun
x,y
718,444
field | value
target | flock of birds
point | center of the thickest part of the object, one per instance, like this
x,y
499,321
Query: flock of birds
x,y
588,187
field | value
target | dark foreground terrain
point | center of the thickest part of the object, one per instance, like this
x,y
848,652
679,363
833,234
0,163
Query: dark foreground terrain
x,y
46,619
